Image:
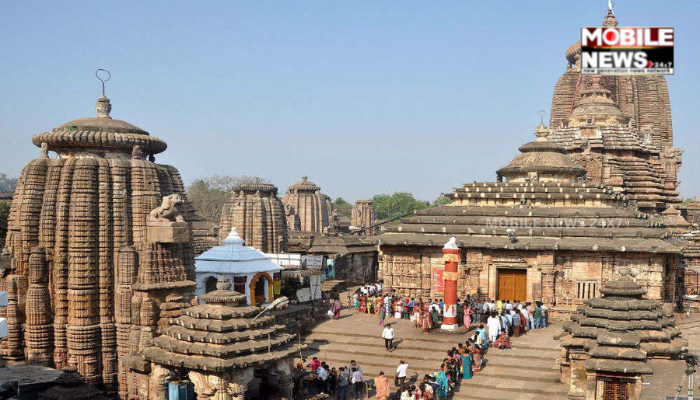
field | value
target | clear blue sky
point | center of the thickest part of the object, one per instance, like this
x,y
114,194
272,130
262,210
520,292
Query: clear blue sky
x,y
363,97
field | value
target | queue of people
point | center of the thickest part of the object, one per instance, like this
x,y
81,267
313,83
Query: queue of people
x,y
346,381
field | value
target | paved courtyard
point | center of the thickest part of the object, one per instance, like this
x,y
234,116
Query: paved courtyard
x,y
668,373
528,371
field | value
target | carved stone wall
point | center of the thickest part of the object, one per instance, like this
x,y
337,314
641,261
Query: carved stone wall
x,y
560,279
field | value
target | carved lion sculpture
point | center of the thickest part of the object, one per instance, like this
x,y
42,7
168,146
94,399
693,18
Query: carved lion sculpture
x,y
168,209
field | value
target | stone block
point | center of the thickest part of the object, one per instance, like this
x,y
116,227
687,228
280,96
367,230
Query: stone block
x,y
167,232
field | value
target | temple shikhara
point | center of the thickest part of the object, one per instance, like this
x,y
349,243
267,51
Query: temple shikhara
x,y
619,129
120,289
98,239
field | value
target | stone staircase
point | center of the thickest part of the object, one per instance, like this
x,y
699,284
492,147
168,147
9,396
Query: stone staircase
x,y
528,371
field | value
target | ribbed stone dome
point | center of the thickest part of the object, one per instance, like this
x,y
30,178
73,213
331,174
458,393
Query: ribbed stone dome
x,y
101,133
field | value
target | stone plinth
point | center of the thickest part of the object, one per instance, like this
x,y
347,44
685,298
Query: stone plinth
x,y
167,232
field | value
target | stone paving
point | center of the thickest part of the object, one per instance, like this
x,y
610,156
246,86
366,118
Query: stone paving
x,y
668,373
528,371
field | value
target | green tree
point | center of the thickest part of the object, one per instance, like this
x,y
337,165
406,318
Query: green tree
x,y
400,203
440,201
342,207
4,214
208,194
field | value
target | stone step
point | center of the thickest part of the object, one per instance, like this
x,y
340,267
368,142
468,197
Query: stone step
x,y
409,349
343,357
447,339
466,391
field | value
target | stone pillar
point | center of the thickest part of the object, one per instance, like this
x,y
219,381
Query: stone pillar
x,y
451,256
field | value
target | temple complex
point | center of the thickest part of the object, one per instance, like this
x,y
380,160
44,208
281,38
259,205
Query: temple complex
x,y
544,234
363,214
306,208
98,239
606,345
619,129
258,215
225,348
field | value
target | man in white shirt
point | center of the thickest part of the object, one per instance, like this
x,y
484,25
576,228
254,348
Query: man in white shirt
x,y
494,328
388,335
322,376
401,373
357,383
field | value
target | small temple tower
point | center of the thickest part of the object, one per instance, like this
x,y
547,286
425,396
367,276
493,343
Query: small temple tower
x,y
307,209
258,214
541,161
606,345
224,347
363,214
97,238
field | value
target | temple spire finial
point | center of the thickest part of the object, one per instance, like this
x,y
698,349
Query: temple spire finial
x,y
610,7
103,106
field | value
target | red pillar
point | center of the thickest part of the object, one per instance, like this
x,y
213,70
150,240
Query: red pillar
x,y
451,256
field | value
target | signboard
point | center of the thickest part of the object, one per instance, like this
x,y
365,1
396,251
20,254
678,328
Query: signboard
x,y
626,51
312,262
438,282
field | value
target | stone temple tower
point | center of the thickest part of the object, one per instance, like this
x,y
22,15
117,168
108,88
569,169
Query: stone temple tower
x,y
363,214
637,112
258,215
306,207
97,238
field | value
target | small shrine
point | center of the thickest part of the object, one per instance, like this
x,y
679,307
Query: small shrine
x,y
224,347
253,274
606,345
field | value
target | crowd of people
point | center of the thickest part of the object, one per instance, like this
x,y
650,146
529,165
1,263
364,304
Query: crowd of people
x,y
496,322
346,381
428,315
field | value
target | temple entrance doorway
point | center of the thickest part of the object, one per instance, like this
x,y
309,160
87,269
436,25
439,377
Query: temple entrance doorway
x,y
265,386
210,284
260,290
512,284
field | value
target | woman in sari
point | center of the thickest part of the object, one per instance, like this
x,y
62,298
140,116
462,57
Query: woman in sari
x,y
476,357
425,320
443,383
467,315
335,308
481,337
467,365
378,302
434,315
383,386
363,304
382,315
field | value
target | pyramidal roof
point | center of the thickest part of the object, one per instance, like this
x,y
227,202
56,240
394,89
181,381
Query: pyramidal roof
x,y
234,258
